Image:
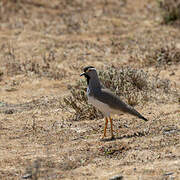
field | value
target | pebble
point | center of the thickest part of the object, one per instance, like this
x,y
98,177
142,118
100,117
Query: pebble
x,y
117,177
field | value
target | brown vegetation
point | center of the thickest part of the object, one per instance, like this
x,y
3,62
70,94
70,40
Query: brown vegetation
x,y
48,131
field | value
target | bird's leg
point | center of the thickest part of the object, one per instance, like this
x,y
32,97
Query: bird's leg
x,y
105,127
112,135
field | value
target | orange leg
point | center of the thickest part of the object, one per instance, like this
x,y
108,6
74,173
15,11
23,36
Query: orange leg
x,y
112,135
105,127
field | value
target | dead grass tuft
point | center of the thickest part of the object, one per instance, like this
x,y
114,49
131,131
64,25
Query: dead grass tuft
x,y
77,102
40,168
46,67
170,10
134,86
164,56
113,150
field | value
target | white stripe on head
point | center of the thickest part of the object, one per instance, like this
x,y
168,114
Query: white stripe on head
x,y
91,69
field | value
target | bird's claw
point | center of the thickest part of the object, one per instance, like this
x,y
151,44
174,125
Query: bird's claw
x,y
112,137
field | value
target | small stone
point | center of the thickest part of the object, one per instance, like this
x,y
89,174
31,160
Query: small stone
x,y
168,174
117,177
27,176
11,89
9,111
172,74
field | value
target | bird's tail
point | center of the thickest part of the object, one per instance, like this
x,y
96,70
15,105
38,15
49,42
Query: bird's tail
x,y
132,111
142,117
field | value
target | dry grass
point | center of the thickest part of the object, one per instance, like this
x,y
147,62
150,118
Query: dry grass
x,y
47,66
133,86
43,47
170,10
164,56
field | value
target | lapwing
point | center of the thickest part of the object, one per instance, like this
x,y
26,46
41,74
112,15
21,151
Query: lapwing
x,y
105,100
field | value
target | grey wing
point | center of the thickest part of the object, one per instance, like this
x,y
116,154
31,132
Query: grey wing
x,y
112,100
115,102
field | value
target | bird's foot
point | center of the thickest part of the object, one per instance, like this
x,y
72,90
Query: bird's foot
x,y
102,137
112,137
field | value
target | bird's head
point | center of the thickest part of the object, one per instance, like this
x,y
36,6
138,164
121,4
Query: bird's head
x,y
89,72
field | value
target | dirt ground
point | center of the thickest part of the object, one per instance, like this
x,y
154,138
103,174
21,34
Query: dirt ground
x,y
43,47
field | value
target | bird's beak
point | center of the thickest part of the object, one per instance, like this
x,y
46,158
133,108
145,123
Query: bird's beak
x,y
82,74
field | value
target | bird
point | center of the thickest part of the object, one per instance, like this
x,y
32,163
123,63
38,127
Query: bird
x,y
105,100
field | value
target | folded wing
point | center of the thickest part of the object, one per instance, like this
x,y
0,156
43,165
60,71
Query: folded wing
x,y
116,103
